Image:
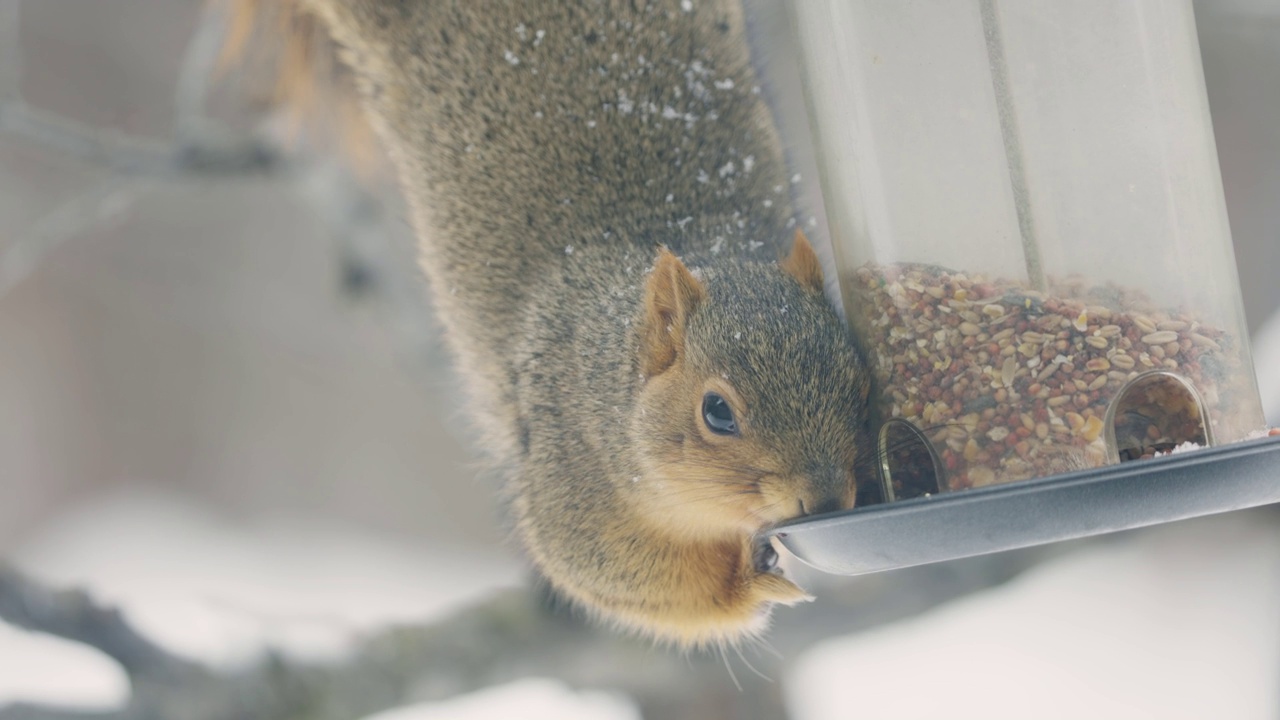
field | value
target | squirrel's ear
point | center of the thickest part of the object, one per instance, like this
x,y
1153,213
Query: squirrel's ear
x,y
802,264
670,295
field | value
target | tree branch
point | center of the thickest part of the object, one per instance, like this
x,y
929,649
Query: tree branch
x,y
24,711
200,148
199,64
207,153
91,209
509,636
71,614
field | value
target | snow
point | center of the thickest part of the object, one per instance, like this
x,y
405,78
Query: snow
x,y
532,699
205,587
1174,623
1177,622
625,104
46,670
219,591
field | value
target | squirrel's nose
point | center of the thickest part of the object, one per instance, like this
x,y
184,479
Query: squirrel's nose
x,y
817,506
829,490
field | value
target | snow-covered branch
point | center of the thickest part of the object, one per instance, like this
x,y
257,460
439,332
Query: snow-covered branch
x,y
511,635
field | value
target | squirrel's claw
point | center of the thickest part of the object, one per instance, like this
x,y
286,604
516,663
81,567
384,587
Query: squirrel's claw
x,y
764,558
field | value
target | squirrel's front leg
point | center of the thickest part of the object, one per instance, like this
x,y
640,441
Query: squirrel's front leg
x,y
764,581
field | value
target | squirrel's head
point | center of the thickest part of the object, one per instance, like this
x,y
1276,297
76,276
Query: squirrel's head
x,y
754,405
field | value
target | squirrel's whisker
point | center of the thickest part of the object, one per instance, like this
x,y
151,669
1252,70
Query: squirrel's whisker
x,y
738,649
724,654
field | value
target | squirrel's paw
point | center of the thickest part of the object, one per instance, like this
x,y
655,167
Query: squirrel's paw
x,y
741,612
770,587
766,582
718,604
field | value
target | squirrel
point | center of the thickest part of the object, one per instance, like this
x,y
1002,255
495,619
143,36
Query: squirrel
x,y
602,200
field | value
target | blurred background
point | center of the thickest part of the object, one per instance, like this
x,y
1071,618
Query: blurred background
x,y
223,405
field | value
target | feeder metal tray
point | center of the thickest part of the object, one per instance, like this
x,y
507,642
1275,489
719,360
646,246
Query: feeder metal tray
x,y
1032,512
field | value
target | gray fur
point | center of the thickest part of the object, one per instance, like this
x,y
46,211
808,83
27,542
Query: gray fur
x,y
548,150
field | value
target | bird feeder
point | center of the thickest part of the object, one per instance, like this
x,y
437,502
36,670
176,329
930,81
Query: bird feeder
x,y
1033,250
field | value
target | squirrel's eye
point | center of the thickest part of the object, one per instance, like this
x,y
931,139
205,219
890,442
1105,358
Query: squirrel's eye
x,y
718,415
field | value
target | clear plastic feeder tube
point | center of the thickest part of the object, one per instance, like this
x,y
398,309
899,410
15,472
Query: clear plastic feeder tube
x,y
1028,221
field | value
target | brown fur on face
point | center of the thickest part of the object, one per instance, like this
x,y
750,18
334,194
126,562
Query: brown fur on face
x,y
750,479
710,493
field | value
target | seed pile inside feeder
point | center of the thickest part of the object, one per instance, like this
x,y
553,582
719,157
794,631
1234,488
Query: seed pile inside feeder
x,y
1010,383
